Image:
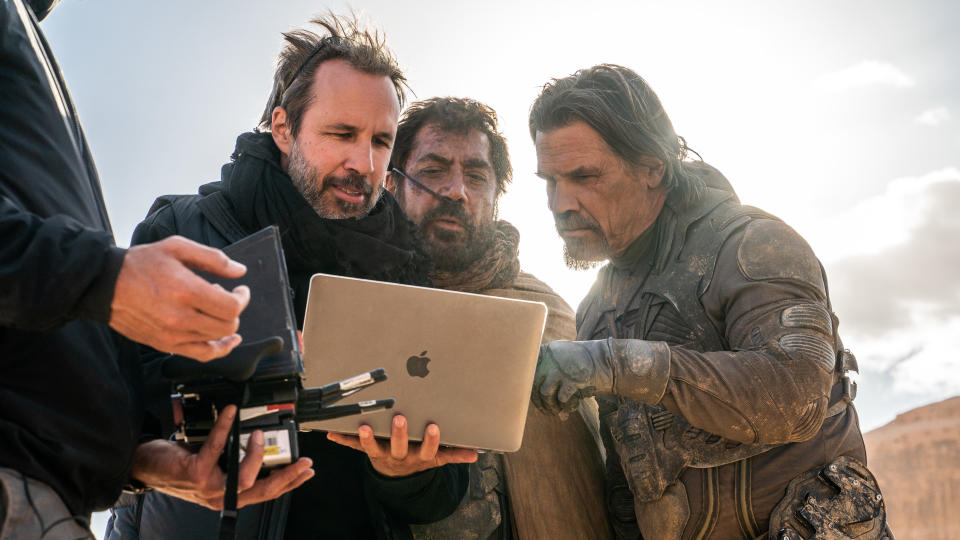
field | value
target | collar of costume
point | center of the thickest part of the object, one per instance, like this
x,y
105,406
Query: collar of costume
x,y
382,245
669,229
497,268
640,249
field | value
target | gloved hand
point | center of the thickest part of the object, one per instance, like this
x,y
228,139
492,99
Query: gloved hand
x,y
568,371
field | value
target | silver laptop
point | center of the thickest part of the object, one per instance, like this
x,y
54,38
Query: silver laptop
x,y
463,361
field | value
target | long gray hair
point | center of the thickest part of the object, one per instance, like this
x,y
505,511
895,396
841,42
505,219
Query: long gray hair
x,y
622,108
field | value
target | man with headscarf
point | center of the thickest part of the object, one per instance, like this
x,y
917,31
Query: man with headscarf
x,y
450,166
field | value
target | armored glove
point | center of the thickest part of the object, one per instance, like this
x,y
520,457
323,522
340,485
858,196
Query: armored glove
x,y
568,371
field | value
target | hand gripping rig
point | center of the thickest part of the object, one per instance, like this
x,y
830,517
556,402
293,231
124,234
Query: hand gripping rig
x,y
262,377
274,405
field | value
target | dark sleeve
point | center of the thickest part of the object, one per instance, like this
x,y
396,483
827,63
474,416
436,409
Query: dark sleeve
x,y
423,497
158,225
53,270
773,384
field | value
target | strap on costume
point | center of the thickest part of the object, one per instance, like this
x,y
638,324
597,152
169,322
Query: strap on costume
x,y
846,361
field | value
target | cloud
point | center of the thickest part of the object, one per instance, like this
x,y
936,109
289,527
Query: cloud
x,y
899,301
915,278
878,223
866,73
920,378
918,361
933,117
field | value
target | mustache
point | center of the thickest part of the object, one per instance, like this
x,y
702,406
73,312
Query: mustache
x,y
357,182
448,208
572,220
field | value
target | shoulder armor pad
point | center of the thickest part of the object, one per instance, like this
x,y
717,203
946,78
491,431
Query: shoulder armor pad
x,y
771,250
737,216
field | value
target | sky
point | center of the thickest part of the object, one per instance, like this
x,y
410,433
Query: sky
x,y
840,117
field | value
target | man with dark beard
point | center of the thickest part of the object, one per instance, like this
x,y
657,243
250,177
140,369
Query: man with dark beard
x,y
450,166
315,168
708,340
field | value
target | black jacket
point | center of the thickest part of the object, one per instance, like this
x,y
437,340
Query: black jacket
x,y
69,415
346,498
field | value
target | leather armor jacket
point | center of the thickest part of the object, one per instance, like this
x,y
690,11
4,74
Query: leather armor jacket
x,y
754,394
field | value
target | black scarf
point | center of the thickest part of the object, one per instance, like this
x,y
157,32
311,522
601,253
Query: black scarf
x,y
382,246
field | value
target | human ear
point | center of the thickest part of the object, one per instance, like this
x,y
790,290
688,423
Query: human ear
x,y
280,130
390,183
652,172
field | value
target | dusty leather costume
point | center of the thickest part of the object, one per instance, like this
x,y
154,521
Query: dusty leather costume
x,y
553,487
737,388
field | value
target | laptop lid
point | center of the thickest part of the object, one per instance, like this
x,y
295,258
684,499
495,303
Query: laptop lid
x,y
463,361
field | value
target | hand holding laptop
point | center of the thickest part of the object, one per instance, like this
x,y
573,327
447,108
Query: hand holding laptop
x,y
399,457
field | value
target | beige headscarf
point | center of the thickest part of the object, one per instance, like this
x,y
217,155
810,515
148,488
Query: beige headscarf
x,y
497,268
555,481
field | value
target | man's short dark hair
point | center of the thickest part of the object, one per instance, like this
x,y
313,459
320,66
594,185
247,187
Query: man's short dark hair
x,y
622,108
456,115
344,38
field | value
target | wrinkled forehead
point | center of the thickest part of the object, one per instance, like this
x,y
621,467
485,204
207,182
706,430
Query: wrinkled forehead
x,y
344,95
568,147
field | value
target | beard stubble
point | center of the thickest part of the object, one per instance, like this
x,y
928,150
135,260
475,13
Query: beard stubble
x,y
318,194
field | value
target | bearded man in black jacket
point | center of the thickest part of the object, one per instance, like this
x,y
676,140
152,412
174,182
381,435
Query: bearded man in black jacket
x,y
315,168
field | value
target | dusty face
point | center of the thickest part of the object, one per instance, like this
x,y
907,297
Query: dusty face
x,y
338,160
600,205
457,166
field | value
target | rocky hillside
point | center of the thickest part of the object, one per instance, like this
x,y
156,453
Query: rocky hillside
x,y
916,459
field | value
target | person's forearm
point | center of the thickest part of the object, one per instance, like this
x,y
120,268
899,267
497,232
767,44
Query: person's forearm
x,y
756,397
424,497
640,369
53,270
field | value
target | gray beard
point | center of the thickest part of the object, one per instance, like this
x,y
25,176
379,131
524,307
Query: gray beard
x,y
577,257
577,253
576,263
305,178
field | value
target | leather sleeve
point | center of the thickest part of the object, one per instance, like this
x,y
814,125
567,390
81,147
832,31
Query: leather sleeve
x,y
772,385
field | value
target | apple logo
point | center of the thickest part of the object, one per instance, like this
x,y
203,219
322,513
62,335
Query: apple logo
x,y
417,365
